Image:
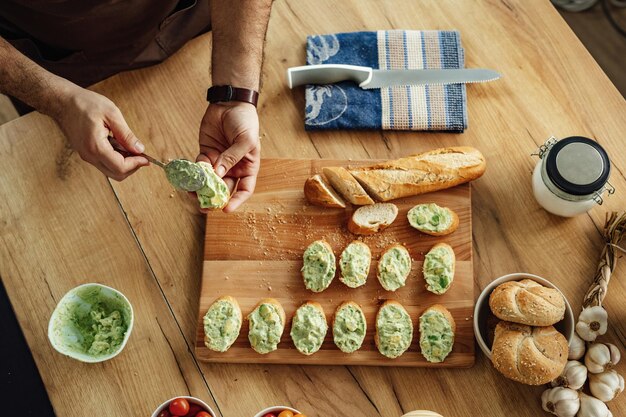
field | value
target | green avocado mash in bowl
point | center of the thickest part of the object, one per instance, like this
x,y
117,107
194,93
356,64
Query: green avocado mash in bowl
x,y
91,323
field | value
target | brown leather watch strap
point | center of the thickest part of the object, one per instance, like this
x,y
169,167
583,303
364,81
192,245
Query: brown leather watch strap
x,y
221,93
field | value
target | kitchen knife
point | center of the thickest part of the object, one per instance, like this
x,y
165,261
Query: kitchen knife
x,y
367,77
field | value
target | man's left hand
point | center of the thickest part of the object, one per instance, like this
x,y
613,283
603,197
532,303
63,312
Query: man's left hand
x,y
229,140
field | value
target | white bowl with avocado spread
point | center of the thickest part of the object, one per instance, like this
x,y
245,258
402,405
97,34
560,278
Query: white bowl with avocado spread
x,y
91,323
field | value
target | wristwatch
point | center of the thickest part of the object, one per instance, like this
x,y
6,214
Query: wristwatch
x,y
221,93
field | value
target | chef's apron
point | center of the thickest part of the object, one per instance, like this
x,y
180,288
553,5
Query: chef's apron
x,y
86,41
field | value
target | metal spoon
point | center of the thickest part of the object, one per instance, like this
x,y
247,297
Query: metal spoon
x,y
181,173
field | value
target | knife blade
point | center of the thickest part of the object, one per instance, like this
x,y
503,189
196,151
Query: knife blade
x,y
368,78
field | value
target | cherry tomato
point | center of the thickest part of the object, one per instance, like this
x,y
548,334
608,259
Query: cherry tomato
x,y
203,414
286,413
179,407
193,410
299,415
270,415
165,413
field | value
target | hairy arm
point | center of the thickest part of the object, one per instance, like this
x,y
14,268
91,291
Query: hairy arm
x,y
85,117
229,133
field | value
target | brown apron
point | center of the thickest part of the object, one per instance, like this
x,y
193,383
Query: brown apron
x,y
86,41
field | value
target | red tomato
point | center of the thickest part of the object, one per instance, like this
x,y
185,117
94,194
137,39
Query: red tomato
x,y
270,415
194,409
179,407
164,413
203,414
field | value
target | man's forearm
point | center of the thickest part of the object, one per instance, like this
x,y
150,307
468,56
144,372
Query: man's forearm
x,y
239,28
25,80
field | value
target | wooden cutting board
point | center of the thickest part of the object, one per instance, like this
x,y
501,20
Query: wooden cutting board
x,y
257,253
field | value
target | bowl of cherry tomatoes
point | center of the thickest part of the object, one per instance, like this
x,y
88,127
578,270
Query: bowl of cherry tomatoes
x,y
184,407
279,411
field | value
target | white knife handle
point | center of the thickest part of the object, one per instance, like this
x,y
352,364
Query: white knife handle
x,y
328,74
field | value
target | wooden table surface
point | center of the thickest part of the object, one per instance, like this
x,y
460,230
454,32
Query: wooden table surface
x,y
62,223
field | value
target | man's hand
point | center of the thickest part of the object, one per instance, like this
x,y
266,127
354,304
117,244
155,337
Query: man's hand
x,y
86,118
229,140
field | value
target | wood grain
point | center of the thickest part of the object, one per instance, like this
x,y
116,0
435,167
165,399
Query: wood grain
x,y
551,85
257,253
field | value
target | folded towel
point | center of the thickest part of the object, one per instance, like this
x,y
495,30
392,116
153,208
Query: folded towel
x,y
346,106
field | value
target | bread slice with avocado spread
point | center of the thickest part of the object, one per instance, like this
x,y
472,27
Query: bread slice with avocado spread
x,y
215,193
349,327
371,219
394,329
437,329
222,323
319,266
438,268
355,264
308,328
433,219
267,322
394,267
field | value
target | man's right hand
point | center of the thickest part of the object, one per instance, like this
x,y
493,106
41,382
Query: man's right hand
x,y
87,118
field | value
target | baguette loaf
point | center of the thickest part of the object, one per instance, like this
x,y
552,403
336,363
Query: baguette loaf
x,y
527,302
430,171
373,218
318,192
530,355
347,186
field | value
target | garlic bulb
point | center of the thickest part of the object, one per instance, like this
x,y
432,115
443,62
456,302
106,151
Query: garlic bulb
x,y
606,386
574,376
576,348
592,407
562,402
592,322
601,357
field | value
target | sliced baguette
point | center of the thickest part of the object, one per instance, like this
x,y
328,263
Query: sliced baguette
x,y
430,171
431,276
377,337
347,186
281,314
454,223
294,322
213,344
336,338
425,340
373,218
319,192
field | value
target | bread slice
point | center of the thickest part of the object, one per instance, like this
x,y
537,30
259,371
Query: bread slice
x,y
319,193
219,335
348,335
530,355
392,275
394,334
527,302
438,268
347,186
418,174
436,345
373,218
427,218
355,263
265,346
308,327
318,279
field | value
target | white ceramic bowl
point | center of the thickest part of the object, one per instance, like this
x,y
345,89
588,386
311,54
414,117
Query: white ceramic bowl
x,y
276,409
63,335
192,400
482,310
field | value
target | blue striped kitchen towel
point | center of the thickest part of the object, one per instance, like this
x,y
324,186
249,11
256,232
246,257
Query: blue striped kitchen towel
x,y
427,107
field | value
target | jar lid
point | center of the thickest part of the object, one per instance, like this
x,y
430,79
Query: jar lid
x,y
578,165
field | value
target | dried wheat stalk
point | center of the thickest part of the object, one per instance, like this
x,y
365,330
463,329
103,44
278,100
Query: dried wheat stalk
x,y
614,231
